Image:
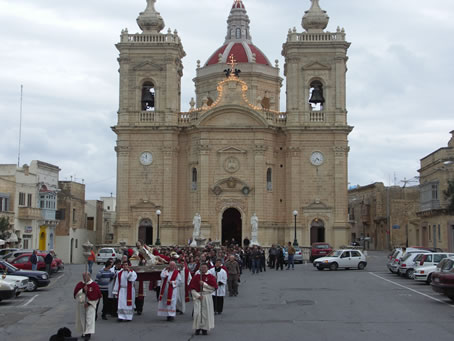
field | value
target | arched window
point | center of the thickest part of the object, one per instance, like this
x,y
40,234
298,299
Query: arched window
x,y
269,179
194,179
238,33
148,97
316,99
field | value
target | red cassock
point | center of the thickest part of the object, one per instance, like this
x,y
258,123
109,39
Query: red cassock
x,y
93,293
207,278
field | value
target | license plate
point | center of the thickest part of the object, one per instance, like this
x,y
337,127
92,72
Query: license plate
x,y
436,280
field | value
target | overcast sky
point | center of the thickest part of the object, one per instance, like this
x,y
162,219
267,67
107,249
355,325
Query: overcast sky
x,y
399,83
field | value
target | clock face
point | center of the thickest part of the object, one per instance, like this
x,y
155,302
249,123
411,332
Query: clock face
x,y
146,158
317,158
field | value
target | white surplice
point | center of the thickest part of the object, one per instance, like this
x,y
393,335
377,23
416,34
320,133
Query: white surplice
x,y
85,317
181,299
221,277
125,312
163,308
203,309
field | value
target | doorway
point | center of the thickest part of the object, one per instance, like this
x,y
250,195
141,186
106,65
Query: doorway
x,y
42,239
71,251
146,231
317,231
232,226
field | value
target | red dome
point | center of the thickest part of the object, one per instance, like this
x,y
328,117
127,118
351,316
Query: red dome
x,y
242,52
238,4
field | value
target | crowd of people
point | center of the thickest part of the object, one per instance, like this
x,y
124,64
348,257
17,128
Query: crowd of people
x,y
204,274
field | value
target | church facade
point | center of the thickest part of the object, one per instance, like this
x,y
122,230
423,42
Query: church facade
x,y
234,153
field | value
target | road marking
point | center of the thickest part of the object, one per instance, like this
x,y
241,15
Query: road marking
x,y
413,290
30,300
55,281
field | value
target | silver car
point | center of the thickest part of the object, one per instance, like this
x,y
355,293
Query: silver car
x,y
107,253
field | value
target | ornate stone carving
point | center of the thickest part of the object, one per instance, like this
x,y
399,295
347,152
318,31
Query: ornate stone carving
x,y
231,164
341,150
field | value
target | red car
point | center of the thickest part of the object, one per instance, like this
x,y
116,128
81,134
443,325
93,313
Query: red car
x,y
320,250
23,262
443,280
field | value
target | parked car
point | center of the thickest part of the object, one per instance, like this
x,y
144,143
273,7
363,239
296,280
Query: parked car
x,y
60,264
395,255
348,258
428,265
21,282
320,250
407,263
36,279
106,253
7,290
23,262
4,252
298,255
16,253
443,280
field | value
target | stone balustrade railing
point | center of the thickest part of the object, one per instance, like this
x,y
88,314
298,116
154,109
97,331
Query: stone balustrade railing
x,y
325,36
317,116
150,38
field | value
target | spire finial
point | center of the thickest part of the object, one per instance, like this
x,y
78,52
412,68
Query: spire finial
x,y
315,20
238,23
150,20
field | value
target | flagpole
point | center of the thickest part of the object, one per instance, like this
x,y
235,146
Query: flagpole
x,y
20,125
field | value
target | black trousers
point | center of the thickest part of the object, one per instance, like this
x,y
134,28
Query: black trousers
x,y
139,304
107,303
280,264
218,302
272,261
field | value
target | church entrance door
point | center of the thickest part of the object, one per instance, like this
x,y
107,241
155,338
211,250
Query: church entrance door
x,y
317,232
146,231
231,226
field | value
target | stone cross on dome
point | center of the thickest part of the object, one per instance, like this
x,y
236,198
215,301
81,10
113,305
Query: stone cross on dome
x,y
232,62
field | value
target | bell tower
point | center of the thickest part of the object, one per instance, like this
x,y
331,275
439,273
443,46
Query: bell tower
x,y
315,68
150,89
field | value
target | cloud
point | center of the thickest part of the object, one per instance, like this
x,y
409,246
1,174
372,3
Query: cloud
x,y
399,81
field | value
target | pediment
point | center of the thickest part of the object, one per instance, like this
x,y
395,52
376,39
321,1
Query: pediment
x,y
148,66
316,66
230,185
232,150
144,204
227,117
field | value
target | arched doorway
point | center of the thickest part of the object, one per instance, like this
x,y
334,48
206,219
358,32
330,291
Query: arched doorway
x,y
317,231
232,225
146,231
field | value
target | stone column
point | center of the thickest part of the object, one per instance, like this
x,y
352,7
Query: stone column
x,y
122,213
204,154
260,178
340,227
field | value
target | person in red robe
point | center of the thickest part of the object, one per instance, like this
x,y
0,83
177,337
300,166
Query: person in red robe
x,y
87,295
202,286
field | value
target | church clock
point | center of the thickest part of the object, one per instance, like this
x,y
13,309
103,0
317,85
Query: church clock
x,y
317,158
146,158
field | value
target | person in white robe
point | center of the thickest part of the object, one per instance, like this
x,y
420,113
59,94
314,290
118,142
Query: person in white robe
x,y
170,283
87,295
202,287
125,292
219,293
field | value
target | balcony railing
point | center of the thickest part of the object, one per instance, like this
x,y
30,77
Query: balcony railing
x,y
29,213
324,36
150,38
317,117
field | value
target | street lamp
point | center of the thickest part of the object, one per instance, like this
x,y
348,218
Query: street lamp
x,y
295,214
158,241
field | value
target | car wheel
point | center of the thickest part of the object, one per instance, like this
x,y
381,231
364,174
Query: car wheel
x,y
333,266
32,285
391,271
410,274
429,279
18,293
320,268
361,266
451,297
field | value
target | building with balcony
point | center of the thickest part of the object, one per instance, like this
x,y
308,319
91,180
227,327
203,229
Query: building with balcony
x,y
29,193
384,217
437,220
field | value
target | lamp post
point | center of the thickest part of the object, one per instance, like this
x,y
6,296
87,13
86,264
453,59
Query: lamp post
x,y
295,241
158,241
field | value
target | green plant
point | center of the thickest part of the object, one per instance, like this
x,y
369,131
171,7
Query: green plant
x,y
449,195
4,228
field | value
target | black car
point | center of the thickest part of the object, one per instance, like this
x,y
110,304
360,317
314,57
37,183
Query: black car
x,y
37,279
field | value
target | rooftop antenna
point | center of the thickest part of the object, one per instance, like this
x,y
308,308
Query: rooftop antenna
x,y
20,125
